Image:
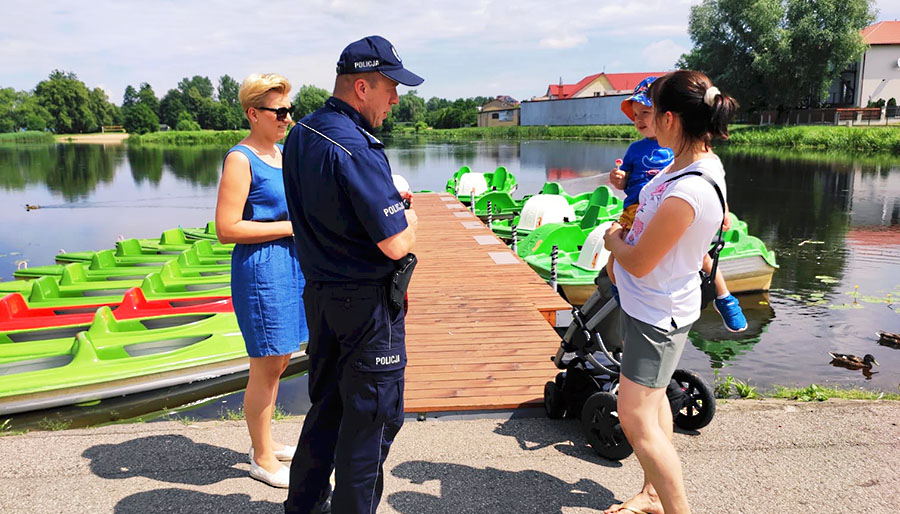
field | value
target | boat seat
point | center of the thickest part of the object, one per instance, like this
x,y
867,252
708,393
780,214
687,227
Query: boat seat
x,y
128,247
173,236
103,259
500,201
499,179
552,188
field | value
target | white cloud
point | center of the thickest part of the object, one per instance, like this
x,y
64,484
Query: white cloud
x,y
663,54
563,42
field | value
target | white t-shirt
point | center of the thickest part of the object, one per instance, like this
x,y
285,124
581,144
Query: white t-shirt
x,y
671,291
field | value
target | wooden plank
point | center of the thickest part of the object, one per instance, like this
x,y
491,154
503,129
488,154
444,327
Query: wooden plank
x,y
477,338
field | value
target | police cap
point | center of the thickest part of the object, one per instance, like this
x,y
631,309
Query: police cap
x,y
374,53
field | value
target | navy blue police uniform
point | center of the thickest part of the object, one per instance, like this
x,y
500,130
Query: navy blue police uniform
x,y
342,202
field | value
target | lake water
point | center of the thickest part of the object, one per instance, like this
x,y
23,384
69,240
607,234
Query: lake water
x,y
833,221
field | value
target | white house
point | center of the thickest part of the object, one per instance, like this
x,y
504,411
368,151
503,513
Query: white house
x,y
877,75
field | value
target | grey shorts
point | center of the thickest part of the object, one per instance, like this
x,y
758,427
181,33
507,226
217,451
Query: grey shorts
x,y
651,354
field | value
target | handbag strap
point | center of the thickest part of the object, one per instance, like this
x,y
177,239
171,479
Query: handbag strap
x,y
719,243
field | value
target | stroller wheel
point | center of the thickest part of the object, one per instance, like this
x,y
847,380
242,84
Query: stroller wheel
x,y
553,401
601,426
697,405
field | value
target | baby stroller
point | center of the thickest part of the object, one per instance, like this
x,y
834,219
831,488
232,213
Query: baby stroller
x,y
589,382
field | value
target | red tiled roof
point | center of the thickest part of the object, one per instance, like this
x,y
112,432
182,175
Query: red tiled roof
x,y
630,80
619,81
882,33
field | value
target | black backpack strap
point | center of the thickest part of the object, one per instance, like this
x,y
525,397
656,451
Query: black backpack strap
x,y
719,243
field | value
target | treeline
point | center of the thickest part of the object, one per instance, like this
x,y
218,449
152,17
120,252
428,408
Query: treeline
x,y
65,105
62,104
437,112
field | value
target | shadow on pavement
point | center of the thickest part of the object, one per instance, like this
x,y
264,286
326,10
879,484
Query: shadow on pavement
x,y
565,435
168,458
466,489
179,500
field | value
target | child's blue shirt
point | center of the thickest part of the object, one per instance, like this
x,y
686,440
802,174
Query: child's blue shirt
x,y
643,160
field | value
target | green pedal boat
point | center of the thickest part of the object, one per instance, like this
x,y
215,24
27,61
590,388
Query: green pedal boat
x,y
198,260
167,283
130,252
465,183
110,358
745,262
208,232
543,209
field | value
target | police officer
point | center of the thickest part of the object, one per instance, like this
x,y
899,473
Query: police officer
x,y
350,225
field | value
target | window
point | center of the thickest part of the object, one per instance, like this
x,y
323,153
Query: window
x,y
495,116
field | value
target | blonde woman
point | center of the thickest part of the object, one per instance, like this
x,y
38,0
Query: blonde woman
x,y
266,282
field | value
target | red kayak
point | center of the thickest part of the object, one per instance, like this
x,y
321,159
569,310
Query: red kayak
x,y
15,314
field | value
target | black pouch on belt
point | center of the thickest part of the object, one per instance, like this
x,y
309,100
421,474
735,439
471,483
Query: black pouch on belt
x,y
403,270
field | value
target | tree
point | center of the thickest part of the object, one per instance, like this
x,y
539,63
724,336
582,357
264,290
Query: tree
x,y
139,119
105,112
308,99
776,53
67,100
411,107
228,96
130,97
228,90
147,97
186,122
171,107
202,85
7,109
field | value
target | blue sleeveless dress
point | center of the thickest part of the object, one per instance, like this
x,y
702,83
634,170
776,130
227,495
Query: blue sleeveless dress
x,y
266,282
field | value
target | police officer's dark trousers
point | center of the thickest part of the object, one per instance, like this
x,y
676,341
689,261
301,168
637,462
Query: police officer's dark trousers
x,y
357,356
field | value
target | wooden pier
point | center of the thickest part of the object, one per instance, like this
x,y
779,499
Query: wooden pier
x,y
479,333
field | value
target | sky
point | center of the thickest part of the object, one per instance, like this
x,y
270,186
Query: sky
x,y
463,48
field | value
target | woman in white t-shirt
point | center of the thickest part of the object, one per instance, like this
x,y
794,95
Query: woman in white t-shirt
x,y
657,264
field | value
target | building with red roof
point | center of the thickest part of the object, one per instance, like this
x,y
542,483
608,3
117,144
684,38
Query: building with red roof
x,y
599,84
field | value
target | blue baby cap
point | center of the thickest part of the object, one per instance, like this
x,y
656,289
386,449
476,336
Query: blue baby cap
x,y
375,53
640,96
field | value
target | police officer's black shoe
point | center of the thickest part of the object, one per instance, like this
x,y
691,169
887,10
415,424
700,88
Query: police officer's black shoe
x,y
325,506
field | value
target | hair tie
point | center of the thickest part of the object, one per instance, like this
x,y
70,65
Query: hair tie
x,y
709,98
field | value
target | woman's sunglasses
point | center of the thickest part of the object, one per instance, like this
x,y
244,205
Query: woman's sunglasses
x,y
281,113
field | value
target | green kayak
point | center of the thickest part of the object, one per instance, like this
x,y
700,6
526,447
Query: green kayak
x,y
113,358
465,182
543,209
746,263
195,261
130,252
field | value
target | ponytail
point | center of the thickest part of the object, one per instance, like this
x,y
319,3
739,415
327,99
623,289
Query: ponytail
x,y
704,110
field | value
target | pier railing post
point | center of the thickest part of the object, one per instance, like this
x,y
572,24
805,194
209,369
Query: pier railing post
x,y
554,257
515,239
490,216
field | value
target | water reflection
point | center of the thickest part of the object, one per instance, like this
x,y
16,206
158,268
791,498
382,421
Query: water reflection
x,y
70,170
711,337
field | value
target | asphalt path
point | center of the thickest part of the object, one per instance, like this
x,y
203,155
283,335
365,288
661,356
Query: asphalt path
x,y
756,456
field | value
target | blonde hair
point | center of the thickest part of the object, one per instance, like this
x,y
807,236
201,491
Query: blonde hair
x,y
256,86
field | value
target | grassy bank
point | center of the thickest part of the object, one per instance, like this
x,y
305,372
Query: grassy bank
x,y
562,132
847,139
189,138
29,137
879,139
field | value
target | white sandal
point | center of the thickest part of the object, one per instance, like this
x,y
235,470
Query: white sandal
x,y
285,454
280,478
